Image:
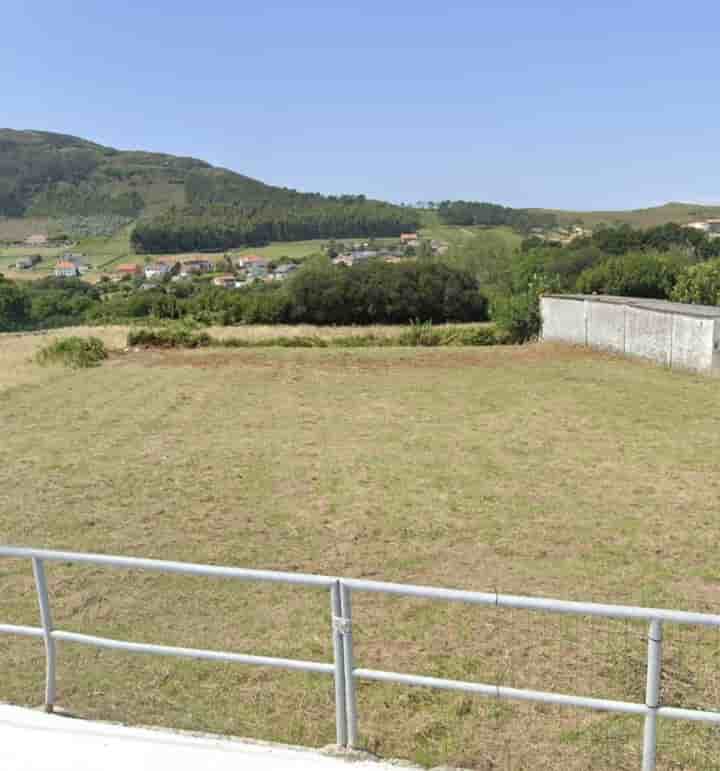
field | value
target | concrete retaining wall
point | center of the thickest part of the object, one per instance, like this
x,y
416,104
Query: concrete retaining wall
x,y
674,335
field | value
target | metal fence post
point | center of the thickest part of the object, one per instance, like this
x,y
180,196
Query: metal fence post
x,y
46,619
350,697
339,659
652,694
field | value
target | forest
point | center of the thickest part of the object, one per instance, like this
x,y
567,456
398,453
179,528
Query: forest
x,y
224,226
468,213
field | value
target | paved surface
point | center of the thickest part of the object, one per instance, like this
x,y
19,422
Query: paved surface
x,y
30,740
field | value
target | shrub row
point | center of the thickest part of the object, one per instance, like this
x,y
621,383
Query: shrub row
x,y
416,335
168,338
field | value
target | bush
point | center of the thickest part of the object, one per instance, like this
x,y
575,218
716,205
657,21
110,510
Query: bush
x,y
699,284
518,316
74,352
636,274
168,338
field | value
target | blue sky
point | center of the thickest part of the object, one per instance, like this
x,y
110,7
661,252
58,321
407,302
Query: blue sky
x,y
565,104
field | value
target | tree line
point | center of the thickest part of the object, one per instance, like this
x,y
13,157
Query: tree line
x,y
468,213
319,293
221,226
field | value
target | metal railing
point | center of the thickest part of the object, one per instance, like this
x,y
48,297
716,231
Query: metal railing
x,y
343,668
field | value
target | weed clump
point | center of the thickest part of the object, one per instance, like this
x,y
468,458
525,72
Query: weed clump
x,y
74,352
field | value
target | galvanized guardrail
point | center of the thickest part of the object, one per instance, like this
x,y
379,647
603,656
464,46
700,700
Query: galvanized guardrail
x,y
343,668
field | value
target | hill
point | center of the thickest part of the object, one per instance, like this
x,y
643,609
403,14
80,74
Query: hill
x,y
679,213
44,174
59,184
66,184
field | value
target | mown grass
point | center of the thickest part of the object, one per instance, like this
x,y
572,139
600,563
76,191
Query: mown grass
x,y
541,470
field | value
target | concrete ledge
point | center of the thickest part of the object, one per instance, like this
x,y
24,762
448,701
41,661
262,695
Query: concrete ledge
x,y
32,740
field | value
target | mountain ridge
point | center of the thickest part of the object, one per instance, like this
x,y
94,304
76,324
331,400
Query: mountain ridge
x,y
55,180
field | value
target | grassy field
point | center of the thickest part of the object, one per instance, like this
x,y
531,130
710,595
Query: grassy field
x,y
541,470
456,236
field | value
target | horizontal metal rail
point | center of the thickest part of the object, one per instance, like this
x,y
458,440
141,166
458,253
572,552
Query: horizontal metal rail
x,y
164,566
502,692
192,653
342,667
356,584
23,631
535,603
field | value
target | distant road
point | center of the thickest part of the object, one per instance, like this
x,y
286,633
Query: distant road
x,y
33,741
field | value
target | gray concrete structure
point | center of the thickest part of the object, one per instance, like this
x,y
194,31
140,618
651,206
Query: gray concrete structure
x,y
672,334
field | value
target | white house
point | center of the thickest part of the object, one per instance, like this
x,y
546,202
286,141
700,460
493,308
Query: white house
x,y
158,270
65,269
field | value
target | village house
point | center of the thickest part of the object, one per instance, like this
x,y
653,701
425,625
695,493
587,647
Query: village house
x,y
160,269
66,269
36,240
409,239
711,227
78,260
227,281
128,269
26,263
251,260
193,267
284,270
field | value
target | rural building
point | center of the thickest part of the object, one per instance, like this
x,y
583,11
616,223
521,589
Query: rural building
x,y
36,240
673,334
710,227
251,260
409,239
128,269
65,269
190,267
26,263
160,269
284,270
227,281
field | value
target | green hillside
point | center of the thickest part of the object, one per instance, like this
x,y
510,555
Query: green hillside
x,y
680,213
50,175
64,184
58,184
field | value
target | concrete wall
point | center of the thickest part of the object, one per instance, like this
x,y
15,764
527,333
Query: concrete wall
x,y
649,334
693,343
563,320
668,338
606,326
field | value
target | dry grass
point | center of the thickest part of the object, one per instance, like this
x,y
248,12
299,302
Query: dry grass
x,y
543,470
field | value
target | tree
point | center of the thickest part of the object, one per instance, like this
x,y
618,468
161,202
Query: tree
x,y
14,306
699,284
636,274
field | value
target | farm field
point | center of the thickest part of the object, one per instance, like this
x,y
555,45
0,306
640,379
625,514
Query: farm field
x,y
457,236
542,469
